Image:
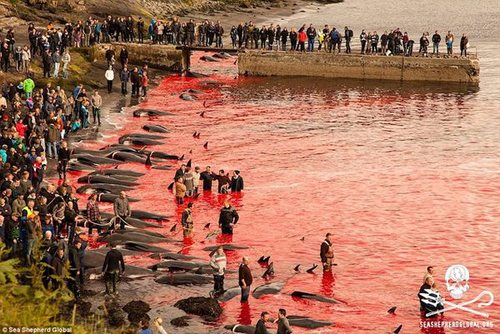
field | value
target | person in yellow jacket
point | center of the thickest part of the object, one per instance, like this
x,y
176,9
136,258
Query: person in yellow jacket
x,y
321,40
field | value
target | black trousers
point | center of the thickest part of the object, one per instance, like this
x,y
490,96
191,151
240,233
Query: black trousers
x,y
110,86
227,229
124,87
363,46
218,283
110,280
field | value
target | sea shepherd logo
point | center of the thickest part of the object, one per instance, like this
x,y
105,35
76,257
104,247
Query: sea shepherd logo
x,y
457,284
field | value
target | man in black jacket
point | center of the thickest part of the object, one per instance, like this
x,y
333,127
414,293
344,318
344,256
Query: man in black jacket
x,y
436,39
134,79
74,267
245,279
348,36
236,182
228,218
207,177
260,328
326,252
113,265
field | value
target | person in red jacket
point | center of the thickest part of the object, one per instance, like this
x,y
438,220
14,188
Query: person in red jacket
x,y
145,82
302,40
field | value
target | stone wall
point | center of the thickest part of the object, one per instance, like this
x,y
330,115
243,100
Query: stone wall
x,y
460,70
164,57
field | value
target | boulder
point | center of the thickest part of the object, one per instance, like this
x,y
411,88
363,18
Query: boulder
x,y
207,308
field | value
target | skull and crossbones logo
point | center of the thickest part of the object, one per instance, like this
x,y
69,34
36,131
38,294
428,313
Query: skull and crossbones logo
x,y
457,283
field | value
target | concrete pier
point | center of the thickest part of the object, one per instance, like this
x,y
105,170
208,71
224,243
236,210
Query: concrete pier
x,y
352,66
317,64
164,57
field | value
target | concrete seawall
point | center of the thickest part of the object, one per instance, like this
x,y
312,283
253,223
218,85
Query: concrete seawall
x,y
164,57
457,70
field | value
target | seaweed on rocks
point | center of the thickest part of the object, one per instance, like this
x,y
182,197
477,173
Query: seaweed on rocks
x,y
207,308
180,321
137,310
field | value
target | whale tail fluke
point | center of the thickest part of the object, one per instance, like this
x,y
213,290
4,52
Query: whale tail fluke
x,y
311,270
296,269
148,160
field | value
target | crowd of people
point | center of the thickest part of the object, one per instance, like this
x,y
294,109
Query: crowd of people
x,y
52,44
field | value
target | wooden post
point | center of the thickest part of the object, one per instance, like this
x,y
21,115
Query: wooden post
x,y
186,60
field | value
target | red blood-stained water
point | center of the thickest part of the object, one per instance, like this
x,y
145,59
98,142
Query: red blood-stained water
x,y
403,176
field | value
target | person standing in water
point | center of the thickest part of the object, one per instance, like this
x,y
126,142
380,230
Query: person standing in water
x,y
236,182
260,327
283,324
228,218
245,279
187,220
326,252
218,262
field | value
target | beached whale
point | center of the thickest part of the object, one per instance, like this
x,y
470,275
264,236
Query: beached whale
x,y
237,328
268,289
105,250
131,272
155,128
173,256
166,156
306,322
297,321
143,247
94,259
173,265
184,279
187,97
151,112
131,157
222,55
209,59
190,74
129,229
312,296
133,236
102,187
114,172
162,167
78,166
133,222
139,135
93,160
105,179
229,294
226,247
139,214
110,198
140,141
